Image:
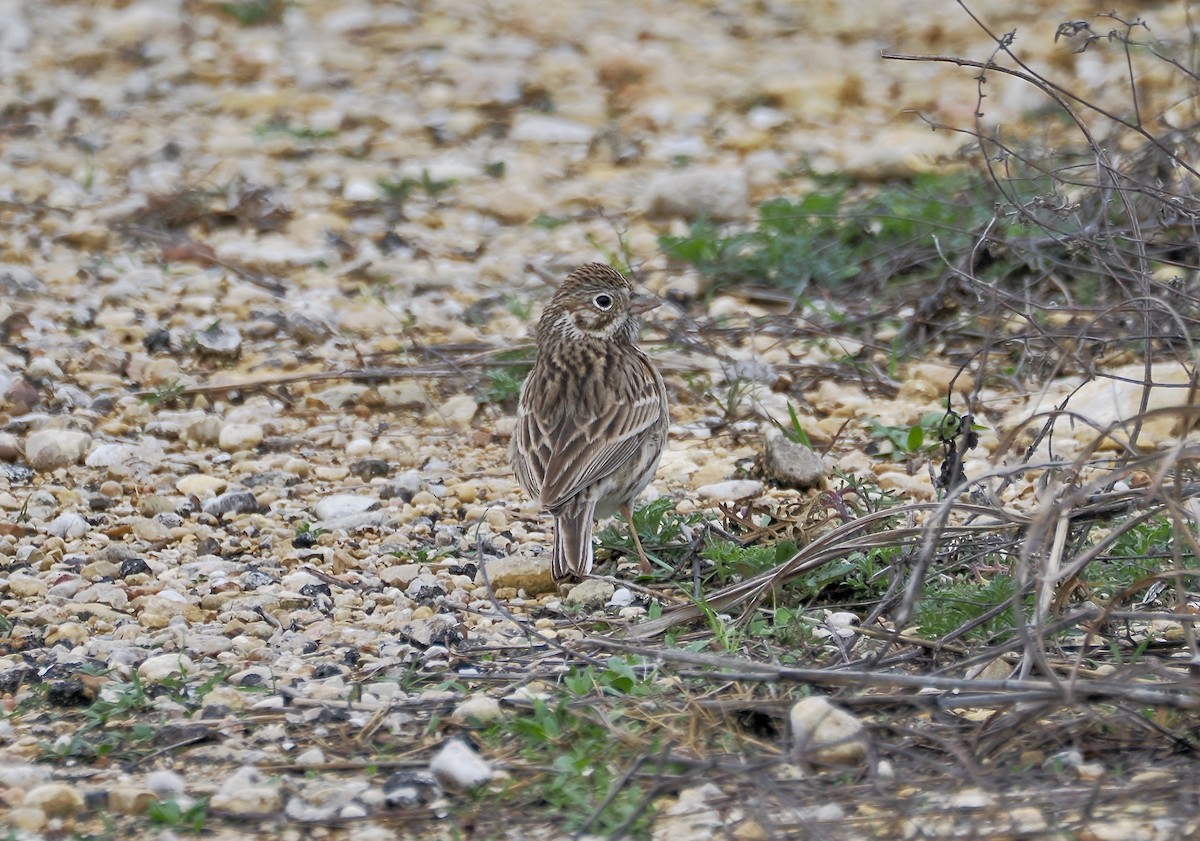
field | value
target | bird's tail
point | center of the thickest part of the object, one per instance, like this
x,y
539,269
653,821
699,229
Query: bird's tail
x,y
572,543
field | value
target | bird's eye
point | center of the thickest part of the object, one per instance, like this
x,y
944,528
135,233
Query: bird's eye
x,y
603,301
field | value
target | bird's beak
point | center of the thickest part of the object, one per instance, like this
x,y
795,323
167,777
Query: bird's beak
x,y
643,303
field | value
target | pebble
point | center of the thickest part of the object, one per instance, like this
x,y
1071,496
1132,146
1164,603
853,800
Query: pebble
x,y
480,708
130,800
235,437
247,794
49,449
341,506
201,485
68,525
231,502
718,193
312,756
458,768
163,666
54,799
731,490
519,572
826,733
539,128
791,464
458,411
219,340
590,593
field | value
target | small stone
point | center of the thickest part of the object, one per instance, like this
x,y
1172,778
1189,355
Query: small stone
x,y
621,597
219,339
27,818
57,800
425,589
731,490
590,593
400,575
27,587
370,468
518,572
971,798
166,785
827,733
163,666
479,708
541,128
245,794
791,464
458,411
439,629
130,800
361,189
205,431
718,193
341,506
201,485
68,525
312,756
149,530
240,436
408,789
232,502
49,449
459,768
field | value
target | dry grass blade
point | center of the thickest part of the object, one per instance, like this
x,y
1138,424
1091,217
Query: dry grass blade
x,y
858,535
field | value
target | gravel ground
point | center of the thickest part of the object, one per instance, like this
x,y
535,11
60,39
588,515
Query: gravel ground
x,y
213,226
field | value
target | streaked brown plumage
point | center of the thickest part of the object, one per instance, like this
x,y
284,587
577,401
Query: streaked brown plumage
x,y
592,418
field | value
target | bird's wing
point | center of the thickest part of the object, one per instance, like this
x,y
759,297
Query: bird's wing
x,y
585,447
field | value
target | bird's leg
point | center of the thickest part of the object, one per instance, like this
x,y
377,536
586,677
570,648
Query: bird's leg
x,y
643,562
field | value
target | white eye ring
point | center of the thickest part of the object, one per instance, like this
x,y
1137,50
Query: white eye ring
x,y
603,301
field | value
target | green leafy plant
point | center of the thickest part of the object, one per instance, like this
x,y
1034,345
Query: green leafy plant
x,y
169,813
166,394
295,132
255,12
503,385
584,764
828,236
662,531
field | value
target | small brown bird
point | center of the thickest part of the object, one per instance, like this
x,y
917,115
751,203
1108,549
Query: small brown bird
x,y
592,418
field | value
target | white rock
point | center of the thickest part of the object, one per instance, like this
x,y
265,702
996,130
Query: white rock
x,y
827,733
458,411
591,592
622,597
339,506
245,794
201,485
55,799
459,768
110,454
162,666
49,449
539,128
359,188
843,623
310,757
733,489
68,525
359,447
240,436
694,815
20,775
718,193
478,708
793,465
